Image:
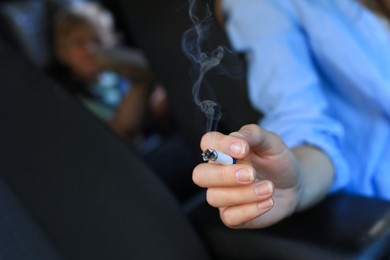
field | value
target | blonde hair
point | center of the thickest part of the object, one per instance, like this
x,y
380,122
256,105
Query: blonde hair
x,y
82,13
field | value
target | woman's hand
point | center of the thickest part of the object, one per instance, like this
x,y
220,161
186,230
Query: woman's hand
x,y
261,189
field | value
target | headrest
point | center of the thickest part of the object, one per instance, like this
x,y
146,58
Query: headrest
x,y
24,24
27,26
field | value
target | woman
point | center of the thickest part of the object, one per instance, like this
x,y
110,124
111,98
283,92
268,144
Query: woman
x,y
318,70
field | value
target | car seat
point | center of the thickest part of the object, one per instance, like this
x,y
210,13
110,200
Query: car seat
x,y
82,190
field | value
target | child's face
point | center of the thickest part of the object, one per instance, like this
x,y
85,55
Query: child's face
x,y
78,49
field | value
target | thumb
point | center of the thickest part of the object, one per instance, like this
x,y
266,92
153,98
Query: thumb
x,y
270,156
261,141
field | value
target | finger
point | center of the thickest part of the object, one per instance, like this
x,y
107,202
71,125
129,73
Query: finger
x,y
208,175
260,140
230,196
238,216
231,145
273,160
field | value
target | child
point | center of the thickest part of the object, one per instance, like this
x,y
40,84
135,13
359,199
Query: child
x,y
115,84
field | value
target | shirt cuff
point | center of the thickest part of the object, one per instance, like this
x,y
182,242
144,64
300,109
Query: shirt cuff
x,y
328,144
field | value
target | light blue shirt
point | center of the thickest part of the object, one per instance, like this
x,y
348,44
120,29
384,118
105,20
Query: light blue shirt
x,y
320,72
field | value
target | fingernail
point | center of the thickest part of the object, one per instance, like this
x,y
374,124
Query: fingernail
x,y
265,204
237,148
263,188
241,133
245,175
244,133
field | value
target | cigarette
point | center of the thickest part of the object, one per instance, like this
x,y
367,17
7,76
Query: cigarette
x,y
217,157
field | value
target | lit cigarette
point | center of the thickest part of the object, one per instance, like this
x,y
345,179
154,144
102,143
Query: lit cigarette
x,y
218,157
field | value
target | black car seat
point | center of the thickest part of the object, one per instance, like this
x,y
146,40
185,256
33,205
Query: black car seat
x,y
27,25
21,237
85,191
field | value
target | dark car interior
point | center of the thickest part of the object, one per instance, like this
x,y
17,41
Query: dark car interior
x,y
70,188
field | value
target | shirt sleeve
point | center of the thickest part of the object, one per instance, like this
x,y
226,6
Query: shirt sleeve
x,y
282,77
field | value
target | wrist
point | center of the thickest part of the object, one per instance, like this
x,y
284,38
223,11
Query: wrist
x,y
315,174
298,188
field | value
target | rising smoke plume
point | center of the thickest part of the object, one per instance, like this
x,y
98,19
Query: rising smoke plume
x,y
204,61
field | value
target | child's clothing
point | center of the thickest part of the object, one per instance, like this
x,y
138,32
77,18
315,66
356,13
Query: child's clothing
x,y
106,94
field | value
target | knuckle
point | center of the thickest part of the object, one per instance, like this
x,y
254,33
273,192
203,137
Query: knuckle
x,y
252,129
196,175
224,174
276,138
212,197
203,141
207,139
229,220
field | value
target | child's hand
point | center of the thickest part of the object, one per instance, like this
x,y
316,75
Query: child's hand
x,y
261,189
123,56
131,63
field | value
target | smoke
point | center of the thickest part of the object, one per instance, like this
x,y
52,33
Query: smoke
x,y
204,61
